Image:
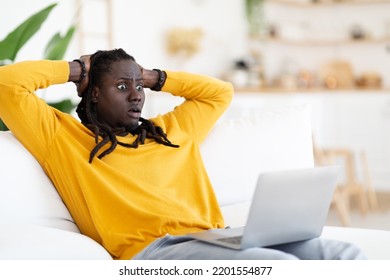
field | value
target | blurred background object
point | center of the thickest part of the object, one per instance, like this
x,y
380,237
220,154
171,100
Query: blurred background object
x,y
337,75
183,41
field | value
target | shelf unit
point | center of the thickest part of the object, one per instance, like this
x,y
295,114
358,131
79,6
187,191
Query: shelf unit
x,y
309,35
305,8
356,118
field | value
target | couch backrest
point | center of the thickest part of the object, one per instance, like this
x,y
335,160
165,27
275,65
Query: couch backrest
x,y
239,149
234,153
26,193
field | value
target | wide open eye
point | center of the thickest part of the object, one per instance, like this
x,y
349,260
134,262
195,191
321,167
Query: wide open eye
x,y
122,86
139,87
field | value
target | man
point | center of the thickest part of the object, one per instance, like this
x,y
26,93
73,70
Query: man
x,y
136,186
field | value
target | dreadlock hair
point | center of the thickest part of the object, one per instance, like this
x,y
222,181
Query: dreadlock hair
x,y
86,109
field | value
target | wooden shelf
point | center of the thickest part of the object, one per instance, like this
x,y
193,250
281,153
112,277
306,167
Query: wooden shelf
x,y
261,90
334,3
324,42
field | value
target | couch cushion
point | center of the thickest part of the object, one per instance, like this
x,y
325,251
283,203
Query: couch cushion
x,y
373,242
33,242
239,149
26,193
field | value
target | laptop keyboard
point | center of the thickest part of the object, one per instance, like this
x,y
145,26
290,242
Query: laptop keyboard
x,y
231,240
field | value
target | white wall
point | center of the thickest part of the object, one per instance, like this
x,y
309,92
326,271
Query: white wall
x,y
140,28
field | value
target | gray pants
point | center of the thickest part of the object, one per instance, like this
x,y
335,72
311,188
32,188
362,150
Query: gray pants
x,y
184,248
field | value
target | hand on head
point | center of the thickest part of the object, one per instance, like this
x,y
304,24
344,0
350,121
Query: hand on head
x,y
82,86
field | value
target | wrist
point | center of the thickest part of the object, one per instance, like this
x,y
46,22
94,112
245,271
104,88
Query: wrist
x,y
154,79
162,76
150,78
77,71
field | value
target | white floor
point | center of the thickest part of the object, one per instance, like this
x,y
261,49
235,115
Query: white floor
x,y
378,219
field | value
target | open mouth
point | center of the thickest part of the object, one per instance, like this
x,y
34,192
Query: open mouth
x,y
135,112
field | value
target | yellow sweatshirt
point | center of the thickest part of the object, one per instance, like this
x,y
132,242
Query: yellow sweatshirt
x,y
132,196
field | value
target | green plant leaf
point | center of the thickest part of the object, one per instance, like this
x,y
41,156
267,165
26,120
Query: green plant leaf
x,y
3,127
57,46
65,105
16,39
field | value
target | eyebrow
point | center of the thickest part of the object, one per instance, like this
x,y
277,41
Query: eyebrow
x,y
130,79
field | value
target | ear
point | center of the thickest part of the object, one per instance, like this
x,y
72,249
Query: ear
x,y
95,94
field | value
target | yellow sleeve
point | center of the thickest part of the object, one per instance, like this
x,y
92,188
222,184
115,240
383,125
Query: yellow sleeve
x,y
32,121
206,99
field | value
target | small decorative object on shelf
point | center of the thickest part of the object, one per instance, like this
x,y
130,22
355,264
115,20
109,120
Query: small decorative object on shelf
x,y
240,74
337,74
184,41
357,32
369,79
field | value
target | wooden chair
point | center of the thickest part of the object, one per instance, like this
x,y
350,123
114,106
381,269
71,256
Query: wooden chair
x,y
351,186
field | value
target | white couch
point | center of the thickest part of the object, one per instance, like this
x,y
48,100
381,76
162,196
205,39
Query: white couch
x,y
35,224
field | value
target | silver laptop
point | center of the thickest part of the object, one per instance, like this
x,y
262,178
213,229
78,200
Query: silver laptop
x,y
287,206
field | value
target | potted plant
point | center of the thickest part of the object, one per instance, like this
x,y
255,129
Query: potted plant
x,y
255,17
55,49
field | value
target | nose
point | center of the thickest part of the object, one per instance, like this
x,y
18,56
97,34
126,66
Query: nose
x,y
135,95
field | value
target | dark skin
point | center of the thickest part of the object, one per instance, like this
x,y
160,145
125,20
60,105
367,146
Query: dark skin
x,y
121,97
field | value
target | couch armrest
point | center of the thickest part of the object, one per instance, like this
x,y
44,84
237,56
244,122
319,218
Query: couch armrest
x,y
29,242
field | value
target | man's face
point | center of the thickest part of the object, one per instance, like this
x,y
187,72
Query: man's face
x,y
120,98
